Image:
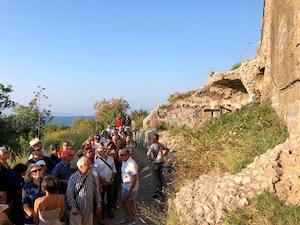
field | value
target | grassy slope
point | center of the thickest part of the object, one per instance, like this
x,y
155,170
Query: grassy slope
x,y
228,143
265,209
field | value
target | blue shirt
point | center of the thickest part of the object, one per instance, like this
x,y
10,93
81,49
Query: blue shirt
x,y
30,193
62,171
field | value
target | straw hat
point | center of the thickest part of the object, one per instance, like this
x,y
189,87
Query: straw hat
x,y
34,142
3,207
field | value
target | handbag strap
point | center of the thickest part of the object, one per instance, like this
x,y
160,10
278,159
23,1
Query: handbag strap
x,y
106,163
80,188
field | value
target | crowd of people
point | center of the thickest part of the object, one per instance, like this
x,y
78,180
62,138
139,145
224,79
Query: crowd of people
x,y
76,187
81,187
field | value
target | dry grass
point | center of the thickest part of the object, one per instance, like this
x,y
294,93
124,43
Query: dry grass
x,y
226,144
265,209
179,96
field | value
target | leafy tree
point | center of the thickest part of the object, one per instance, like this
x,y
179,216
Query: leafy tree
x,y
30,120
138,116
5,101
108,110
6,128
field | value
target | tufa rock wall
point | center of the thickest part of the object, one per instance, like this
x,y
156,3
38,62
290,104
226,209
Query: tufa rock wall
x,y
224,92
274,74
280,46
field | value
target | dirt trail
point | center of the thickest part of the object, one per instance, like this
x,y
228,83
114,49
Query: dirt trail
x,y
146,186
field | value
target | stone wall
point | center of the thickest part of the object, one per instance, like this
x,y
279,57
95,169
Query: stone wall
x,y
208,199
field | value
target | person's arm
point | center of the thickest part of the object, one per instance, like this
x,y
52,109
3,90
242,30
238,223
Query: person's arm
x,y
97,196
70,197
149,154
62,206
36,210
165,148
29,211
114,171
26,201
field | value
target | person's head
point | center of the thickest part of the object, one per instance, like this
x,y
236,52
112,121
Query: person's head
x,y
70,147
65,145
115,138
89,153
42,164
111,150
33,173
49,184
20,168
106,134
83,165
155,138
86,144
67,155
101,150
4,153
37,152
36,143
128,140
54,148
124,154
97,137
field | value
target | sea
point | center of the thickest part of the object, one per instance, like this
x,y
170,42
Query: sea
x,y
67,120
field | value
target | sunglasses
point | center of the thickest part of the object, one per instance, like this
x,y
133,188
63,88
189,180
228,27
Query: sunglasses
x,y
36,150
121,155
34,171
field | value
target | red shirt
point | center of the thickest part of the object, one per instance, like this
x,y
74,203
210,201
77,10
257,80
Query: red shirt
x,y
119,123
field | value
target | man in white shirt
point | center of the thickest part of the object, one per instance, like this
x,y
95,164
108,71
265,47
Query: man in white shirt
x,y
130,186
106,169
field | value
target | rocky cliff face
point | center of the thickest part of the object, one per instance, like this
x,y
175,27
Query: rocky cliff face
x,y
274,74
224,92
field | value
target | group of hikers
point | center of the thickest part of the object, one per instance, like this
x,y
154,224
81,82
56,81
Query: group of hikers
x,y
77,187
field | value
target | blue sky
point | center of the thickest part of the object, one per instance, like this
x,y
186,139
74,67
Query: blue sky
x,y
82,51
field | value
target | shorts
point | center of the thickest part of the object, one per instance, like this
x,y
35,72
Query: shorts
x,y
133,196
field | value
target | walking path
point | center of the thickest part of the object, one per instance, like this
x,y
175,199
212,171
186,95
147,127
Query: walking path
x,y
145,190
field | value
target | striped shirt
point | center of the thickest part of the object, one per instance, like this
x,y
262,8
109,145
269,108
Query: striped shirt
x,y
83,202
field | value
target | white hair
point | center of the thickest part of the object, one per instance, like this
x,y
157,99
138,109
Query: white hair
x,y
2,150
82,161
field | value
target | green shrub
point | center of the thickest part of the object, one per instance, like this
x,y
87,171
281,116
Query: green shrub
x,y
76,137
161,126
138,116
108,110
235,66
179,96
265,209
